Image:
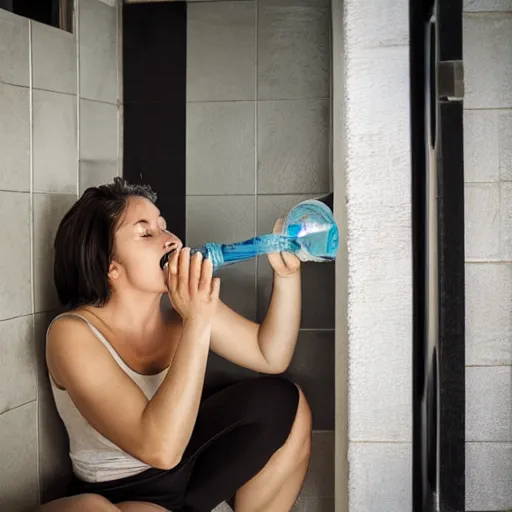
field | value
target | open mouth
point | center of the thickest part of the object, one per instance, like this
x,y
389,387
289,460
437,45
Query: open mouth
x,y
165,259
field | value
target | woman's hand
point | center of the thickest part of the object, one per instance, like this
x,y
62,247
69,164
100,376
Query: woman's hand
x,y
284,264
193,292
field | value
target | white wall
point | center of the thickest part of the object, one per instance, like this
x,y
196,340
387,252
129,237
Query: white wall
x,y
59,132
372,183
488,219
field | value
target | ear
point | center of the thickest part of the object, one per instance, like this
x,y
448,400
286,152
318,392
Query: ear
x,y
114,270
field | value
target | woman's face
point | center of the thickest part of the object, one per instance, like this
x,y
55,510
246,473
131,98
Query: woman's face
x,y
139,243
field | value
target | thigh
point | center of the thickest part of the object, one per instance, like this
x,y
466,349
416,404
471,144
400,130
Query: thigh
x,y
261,401
81,503
236,433
139,506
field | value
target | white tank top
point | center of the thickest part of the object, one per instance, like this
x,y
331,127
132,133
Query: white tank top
x,y
94,458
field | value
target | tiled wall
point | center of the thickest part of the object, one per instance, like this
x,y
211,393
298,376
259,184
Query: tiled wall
x,y
258,127
488,217
59,133
372,177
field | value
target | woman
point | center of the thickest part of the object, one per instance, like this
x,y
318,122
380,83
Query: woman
x,y
128,377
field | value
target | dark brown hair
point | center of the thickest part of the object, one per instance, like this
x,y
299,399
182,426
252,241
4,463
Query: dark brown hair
x,y
85,240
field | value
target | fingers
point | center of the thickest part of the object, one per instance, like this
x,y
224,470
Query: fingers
x,y
215,288
184,269
278,226
290,260
206,275
172,271
195,272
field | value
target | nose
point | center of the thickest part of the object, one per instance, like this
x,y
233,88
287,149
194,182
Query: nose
x,y
171,243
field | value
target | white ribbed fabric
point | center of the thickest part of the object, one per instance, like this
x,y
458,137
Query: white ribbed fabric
x,y
93,456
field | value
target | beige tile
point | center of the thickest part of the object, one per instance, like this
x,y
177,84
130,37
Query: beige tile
x,y
17,353
487,54
98,143
98,51
220,148
482,221
14,49
18,453
487,5
54,59
94,173
55,142
489,403
505,144
226,219
293,147
49,209
505,218
488,293
481,146
15,281
293,49
15,139
98,131
488,470
221,54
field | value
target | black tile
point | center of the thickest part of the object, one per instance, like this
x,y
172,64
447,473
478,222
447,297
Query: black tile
x,y
312,368
155,52
220,373
317,310
154,153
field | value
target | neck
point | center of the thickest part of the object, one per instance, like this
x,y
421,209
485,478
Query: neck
x,y
133,312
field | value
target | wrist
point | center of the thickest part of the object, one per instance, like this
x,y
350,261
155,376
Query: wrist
x,y
197,323
294,276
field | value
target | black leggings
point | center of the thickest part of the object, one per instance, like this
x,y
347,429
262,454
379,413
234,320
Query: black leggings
x,y
237,430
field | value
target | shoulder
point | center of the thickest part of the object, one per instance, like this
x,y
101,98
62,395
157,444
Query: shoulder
x,y
70,343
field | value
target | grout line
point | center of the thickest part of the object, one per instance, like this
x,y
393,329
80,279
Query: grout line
x,y
351,441
508,442
256,263
18,407
477,109
484,261
31,223
256,99
294,194
76,19
498,365
119,59
15,85
320,329
15,317
54,92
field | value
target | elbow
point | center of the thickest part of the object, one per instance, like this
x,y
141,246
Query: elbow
x,y
164,461
278,369
162,456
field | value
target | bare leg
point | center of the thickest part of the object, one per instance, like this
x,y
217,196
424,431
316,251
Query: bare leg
x,y
96,503
276,487
81,503
139,506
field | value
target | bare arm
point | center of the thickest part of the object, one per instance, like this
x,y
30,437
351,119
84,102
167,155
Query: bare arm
x,y
156,431
267,347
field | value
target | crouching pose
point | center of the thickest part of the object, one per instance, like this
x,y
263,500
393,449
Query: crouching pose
x,y
127,375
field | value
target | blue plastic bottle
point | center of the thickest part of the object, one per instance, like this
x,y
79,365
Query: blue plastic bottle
x,y
309,231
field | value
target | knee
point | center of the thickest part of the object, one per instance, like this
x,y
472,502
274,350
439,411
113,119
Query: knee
x,y
90,502
303,427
